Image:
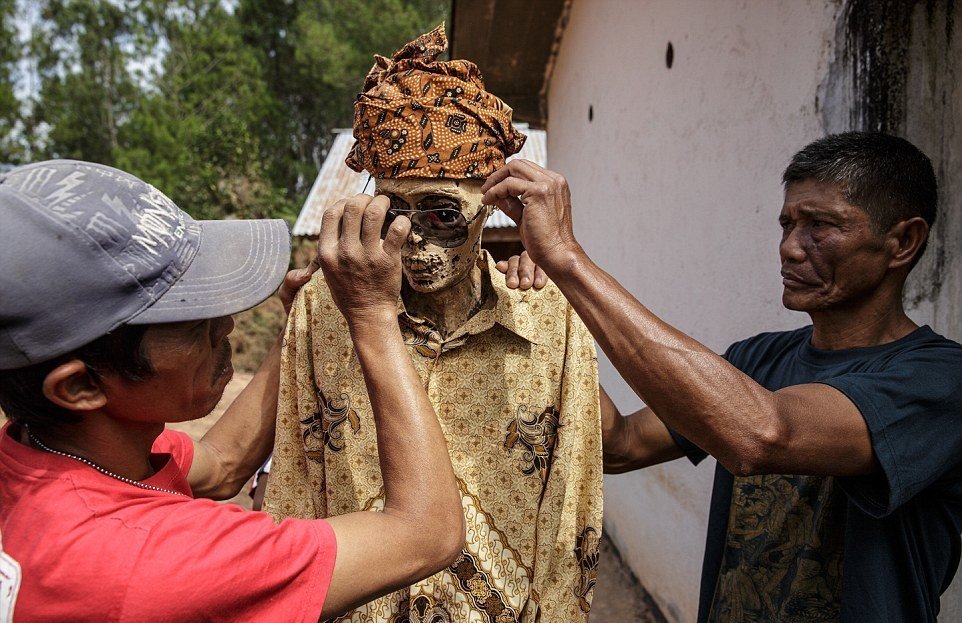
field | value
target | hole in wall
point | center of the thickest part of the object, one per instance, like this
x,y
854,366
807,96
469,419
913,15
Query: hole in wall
x,y
591,113
669,55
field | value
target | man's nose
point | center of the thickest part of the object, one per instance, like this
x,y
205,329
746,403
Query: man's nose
x,y
792,247
222,328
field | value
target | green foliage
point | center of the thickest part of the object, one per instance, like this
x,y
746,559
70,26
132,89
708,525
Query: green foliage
x,y
197,137
83,50
10,114
227,107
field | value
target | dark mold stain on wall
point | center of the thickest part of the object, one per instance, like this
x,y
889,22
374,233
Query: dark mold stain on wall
x,y
893,71
873,42
877,35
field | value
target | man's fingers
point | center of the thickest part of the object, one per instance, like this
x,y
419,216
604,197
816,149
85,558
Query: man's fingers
x,y
511,277
330,227
496,177
528,170
526,268
294,280
513,208
517,267
299,276
540,278
396,235
354,210
518,167
508,187
373,220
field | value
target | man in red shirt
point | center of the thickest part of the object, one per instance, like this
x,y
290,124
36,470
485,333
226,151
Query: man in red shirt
x,y
114,318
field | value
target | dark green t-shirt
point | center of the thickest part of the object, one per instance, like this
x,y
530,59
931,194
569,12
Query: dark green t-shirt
x,y
875,548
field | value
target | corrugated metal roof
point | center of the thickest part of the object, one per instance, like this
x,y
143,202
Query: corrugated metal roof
x,y
336,181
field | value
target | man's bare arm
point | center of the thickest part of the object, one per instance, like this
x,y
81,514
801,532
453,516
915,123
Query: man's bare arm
x,y
807,429
633,441
241,440
421,529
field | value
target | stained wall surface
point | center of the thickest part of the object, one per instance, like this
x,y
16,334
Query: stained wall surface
x,y
674,173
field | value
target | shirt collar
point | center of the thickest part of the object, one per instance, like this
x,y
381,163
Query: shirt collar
x,y
506,307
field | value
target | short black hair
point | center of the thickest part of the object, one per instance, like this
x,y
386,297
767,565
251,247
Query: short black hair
x,y
119,352
887,176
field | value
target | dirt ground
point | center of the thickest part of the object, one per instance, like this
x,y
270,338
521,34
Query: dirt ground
x,y
619,598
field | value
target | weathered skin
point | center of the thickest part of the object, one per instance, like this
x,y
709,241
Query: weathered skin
x,y
444,284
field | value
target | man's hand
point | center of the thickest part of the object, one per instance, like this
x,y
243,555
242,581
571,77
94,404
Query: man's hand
x,y
539,202
294,280
363,272
420,529
521,272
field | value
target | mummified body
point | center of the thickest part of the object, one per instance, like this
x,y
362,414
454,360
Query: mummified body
x,y
512,374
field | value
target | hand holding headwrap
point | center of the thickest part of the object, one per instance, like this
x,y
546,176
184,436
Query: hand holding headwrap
x,y
420,117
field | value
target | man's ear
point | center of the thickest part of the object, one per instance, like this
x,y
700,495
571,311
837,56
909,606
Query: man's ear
x,y
71,386
907,239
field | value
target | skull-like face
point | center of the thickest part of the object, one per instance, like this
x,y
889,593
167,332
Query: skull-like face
x,y
430,267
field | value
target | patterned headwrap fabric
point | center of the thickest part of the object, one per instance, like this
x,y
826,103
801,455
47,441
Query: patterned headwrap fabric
x,y
420,117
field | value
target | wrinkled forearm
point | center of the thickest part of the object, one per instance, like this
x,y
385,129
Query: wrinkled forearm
x,y
419,484
692,389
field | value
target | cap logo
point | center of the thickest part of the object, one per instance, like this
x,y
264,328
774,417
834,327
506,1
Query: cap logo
x,y
159,223
64,188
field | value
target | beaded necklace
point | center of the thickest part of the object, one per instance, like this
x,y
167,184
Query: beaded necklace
x,y
100,469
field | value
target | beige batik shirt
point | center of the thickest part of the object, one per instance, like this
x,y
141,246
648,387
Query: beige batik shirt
x,y
516,392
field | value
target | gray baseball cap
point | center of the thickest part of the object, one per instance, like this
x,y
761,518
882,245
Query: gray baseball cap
x,y
85,248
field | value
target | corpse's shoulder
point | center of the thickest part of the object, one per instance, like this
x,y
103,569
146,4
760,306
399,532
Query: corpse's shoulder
x,y
548,301
315,305
550,297
316,289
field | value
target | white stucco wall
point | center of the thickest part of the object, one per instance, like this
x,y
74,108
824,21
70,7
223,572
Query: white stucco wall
x,y
675,184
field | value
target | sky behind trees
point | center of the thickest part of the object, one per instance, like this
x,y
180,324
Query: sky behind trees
x,y
226,107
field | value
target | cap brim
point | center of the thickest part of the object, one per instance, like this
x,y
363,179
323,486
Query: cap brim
x,y
239,264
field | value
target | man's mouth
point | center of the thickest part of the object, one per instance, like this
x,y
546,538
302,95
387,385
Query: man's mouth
x,y
792,280
425,264
223,366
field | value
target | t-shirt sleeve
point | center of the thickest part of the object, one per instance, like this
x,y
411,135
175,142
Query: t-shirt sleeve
x,y
208,561
695,454
913,409
179,445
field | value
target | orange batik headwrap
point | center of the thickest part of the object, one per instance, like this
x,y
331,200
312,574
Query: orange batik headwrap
x,y
421,117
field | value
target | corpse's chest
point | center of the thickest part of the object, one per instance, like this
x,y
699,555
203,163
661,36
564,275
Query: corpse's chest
x,y
497,397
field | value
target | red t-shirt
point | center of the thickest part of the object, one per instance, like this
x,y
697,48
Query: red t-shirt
x,y
93,548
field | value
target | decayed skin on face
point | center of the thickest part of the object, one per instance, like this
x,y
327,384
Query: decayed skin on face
x,y
445,284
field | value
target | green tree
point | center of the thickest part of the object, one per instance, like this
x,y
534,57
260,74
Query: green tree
x,y
335,44
84,50
11,127
226,106
316,53
198,135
